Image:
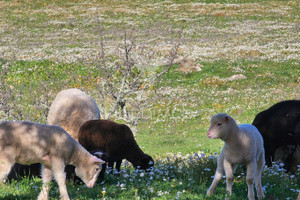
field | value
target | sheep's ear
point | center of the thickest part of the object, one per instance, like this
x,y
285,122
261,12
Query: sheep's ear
x,y
101,155
96,160
226,118
98,154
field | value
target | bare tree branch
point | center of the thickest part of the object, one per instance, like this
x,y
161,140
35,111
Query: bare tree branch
x,y
124,82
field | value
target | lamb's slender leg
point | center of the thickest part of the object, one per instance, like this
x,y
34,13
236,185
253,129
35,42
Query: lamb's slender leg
x,y
251,168
5,167
260,165
58,167
228,167
47,177
218,175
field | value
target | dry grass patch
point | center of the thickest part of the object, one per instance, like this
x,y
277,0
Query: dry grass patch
x,y
69,31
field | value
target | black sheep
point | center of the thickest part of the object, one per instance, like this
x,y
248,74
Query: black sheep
x,y
280,128
116,140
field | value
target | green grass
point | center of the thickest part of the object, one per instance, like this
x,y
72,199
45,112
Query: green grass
x,y
176,123
180,119
183,117
175,177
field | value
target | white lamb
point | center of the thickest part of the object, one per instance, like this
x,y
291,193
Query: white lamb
x,y
29,142
70,109
243,145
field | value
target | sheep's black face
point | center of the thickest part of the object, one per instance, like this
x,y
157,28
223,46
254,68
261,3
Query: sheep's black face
x,y
101,154
145,163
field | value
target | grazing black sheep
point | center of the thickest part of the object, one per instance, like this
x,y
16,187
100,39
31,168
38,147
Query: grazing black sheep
x,y
280,128
116,140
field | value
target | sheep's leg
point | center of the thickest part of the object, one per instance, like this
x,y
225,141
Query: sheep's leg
x,y
5,167
111,165
102,173
260,165
47,177
228,167
58,167
118,165
251,168
218,175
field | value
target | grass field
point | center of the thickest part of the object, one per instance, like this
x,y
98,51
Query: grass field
x,y
46,46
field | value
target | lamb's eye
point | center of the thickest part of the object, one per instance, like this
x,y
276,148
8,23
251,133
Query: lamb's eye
x,y
219,124
96,169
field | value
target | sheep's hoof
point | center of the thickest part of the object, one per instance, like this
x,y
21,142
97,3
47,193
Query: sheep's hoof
x,y
260,196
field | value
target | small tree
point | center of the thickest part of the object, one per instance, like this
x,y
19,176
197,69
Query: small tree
x,y
126,78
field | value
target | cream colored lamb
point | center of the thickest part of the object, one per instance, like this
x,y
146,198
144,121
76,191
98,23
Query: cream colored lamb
x,y
28,142
243,145
70,109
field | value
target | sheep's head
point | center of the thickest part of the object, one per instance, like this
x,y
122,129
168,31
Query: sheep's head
x,y
89,171
219,126
146,162
100,154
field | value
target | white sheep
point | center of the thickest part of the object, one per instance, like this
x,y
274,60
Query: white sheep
x,y
70,109
243,145
28,142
